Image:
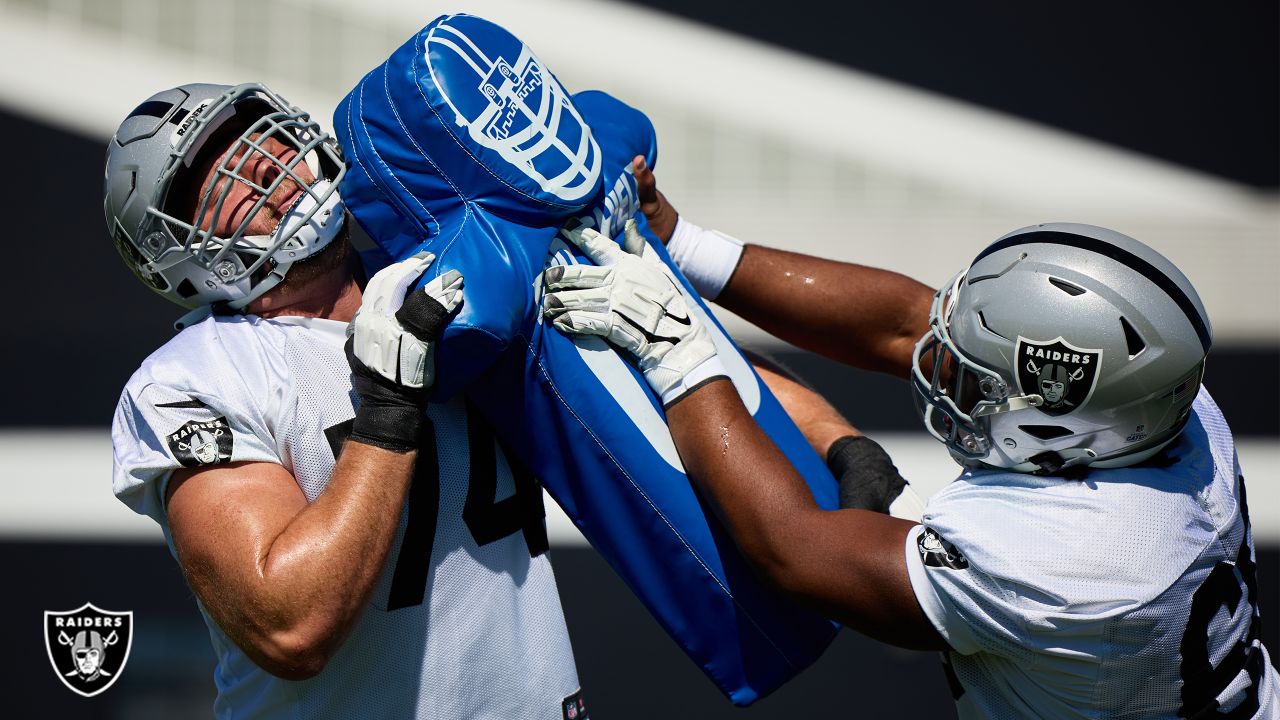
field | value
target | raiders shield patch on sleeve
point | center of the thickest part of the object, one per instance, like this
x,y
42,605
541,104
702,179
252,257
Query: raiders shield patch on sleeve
x,y
201,442
936,552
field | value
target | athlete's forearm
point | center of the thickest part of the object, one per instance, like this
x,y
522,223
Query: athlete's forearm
x,y
861,316
754,490
846,564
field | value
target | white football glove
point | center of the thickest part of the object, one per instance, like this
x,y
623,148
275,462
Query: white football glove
x,y
393,335
635,304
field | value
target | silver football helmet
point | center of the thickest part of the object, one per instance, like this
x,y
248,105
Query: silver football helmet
x,y
153,199
1061,345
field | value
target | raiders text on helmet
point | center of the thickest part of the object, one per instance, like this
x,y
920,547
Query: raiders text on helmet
x,y
152,199
1061,345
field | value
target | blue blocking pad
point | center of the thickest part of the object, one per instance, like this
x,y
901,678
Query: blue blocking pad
x,y
464,144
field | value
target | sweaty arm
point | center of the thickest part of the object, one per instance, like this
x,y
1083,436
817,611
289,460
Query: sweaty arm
x,y
284,578
857,315
849,565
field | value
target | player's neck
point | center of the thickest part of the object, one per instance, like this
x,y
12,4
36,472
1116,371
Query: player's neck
x,y
334,295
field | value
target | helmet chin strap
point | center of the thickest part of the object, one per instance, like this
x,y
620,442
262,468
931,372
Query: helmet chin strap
x,y
273,278
1049,462
1052,462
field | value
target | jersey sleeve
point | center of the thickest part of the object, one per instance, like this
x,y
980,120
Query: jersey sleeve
x,y
160,427
972,610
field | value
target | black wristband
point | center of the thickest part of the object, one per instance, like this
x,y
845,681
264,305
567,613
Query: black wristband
x,y
868,479
394,429
423,316
389,415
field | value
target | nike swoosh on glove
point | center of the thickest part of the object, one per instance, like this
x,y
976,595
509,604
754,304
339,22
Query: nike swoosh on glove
x,y
635,304
391,350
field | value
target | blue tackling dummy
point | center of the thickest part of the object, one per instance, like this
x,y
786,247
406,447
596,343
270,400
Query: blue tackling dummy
x,y
464,144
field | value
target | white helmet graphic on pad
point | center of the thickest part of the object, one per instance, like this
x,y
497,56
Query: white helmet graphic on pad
x,y
511,104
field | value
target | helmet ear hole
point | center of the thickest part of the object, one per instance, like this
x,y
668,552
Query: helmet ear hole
x,y
1132,339
1045,432
982,320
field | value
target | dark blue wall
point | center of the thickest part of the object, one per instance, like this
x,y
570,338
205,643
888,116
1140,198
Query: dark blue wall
x,y
1194,83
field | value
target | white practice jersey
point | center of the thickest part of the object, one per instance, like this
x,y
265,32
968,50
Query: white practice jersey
x,y
1129,594
463,623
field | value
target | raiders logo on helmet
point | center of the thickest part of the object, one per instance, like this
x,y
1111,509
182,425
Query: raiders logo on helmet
x,y
1063,374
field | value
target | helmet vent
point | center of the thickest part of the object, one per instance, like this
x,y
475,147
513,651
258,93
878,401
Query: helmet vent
x,y
1132,338
1045,432
982,320
1066,287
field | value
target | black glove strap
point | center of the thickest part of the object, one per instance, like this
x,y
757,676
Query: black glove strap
x,y
868,479
390,415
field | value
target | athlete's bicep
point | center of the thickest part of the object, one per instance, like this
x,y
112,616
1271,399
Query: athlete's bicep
x,y
223,520
854,570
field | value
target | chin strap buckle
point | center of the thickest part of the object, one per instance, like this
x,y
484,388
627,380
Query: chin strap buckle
x,y
1052,462
193,317
202,312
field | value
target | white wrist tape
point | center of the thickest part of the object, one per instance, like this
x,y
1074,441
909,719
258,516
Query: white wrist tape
x,y
707,257
704,371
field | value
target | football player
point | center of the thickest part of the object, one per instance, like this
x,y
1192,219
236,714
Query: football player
x,y
1093,559
352,555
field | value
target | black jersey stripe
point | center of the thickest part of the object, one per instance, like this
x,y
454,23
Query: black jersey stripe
x,y
1120,255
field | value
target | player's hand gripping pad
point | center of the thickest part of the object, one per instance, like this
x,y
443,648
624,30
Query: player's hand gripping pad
x,y
464,144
